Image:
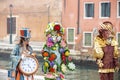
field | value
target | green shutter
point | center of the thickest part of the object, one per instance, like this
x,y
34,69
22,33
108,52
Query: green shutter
x,y
119,40
87,39
70,35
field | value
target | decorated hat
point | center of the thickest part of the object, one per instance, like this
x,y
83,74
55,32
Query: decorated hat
x,y
54,27
25,32
107,26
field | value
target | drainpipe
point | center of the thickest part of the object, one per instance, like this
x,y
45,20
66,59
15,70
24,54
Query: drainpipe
x,y
78,20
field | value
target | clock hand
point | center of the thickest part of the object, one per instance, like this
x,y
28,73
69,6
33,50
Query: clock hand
x,y
29,66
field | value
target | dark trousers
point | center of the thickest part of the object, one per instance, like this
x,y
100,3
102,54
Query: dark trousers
x,y
106,76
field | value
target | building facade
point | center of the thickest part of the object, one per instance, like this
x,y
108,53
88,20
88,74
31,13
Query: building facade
x,y
33,14
81,19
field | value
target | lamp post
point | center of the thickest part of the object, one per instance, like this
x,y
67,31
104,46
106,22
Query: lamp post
x,y
48,6
10,6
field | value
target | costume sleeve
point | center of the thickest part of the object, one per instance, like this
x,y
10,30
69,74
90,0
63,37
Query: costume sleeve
x,y
15,58
98,52
30,49
116,56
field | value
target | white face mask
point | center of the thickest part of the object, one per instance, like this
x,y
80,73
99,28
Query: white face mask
x,y
109,40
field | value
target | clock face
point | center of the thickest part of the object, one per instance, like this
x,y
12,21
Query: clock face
x,y
28,65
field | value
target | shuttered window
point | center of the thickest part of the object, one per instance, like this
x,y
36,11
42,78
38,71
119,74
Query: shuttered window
x,y
105,9
71,35
118,36
87,39
89,10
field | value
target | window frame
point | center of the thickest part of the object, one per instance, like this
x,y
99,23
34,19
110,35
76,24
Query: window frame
x,y
100,16
84,39
85,10
73,34
117,38
118,16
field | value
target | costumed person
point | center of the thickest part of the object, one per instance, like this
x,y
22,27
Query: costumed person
x,y
20,51
106,51
56,54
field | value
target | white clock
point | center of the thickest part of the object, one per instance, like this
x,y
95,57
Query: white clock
x,y
28,65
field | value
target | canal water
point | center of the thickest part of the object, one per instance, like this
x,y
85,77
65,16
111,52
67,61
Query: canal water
x,y
85,69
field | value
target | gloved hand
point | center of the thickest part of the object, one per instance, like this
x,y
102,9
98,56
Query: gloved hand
x,y
100,64
22,56
33,54
116,69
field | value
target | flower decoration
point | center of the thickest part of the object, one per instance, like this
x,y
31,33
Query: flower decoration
x,y
51,69
54,27
52,57
50,76
53,48
55,66
50,44
67,53
46,64
49,35
63,68
61,50
45,54
69,58
57,27
58,78
50,39
62,76
64,58
71,66
63,43
59,38
51,63
54,38
56,53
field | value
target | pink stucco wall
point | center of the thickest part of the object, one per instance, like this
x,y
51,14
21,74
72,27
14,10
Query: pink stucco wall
x,y
70,16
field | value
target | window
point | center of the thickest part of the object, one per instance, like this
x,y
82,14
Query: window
x,y
118,8
89,10
105,9
70,35
87,39
13,25
118,39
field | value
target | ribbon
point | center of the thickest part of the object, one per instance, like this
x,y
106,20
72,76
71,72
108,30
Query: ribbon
x,y
18,74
